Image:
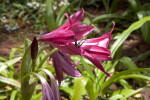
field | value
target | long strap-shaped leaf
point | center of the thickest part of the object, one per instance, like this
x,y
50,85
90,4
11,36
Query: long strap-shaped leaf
x,y
122,74
10,81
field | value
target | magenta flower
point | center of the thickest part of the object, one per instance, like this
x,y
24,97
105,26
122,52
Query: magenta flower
x,y
96,50
63,63
68,32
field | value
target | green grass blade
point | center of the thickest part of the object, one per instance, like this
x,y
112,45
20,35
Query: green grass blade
x,y
77,89
89,71
60,16
106,84
13,95
50,15
9,63
126,33
10,81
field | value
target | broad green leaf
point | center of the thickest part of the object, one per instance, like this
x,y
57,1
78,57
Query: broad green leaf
x,y
13,95
101,18
126,33
126,61
60,16
122,92
3,59
50,15
135,4
3,97
114,5
9,63
26,62
10,81
89,71
125,84
145,11
67,90
133,92
115,97
122,74
37,96
27,87
92,89
142,56
11,55
4,72
77,89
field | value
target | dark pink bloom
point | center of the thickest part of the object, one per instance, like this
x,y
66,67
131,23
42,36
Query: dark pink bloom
x,y
96,50
68,32
93,49
63,63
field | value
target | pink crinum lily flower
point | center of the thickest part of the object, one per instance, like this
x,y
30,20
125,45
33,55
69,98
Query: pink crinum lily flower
x,y
68,32
96,50
63,37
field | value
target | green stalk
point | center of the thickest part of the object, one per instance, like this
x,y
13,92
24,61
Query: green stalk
x,y
48,55
27,88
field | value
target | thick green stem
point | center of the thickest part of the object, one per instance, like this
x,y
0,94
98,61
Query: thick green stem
x,y
27,88
47,56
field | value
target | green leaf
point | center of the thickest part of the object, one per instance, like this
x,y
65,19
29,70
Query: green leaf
x,y
102,18
135,4
125,84
3,97
122,92
10,81
50,15
3,59
26,62
13,95
77,89
115,97
126,61
11,55
86,66
126,33
142,56
145,11
133,92
60,16
37,96
122,74
9,63
92,89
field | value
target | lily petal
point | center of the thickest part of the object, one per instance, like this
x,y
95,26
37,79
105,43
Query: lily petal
x,y
62,61
99,65
46,90
96,52
81,30
58,67
75,19
59,37
54,86
102,41
69,49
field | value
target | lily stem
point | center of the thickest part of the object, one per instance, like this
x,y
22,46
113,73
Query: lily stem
x,y
48,55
